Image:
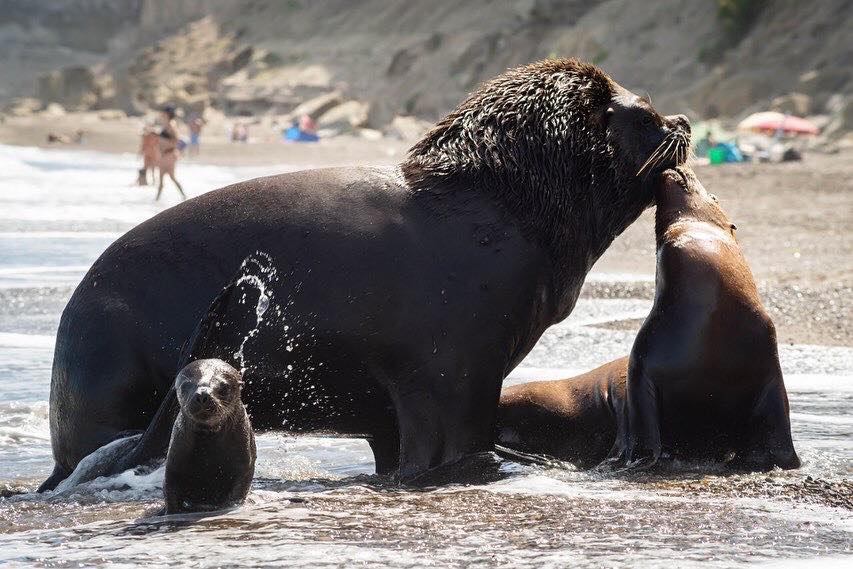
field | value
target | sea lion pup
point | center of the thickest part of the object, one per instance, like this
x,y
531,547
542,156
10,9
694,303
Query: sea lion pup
x,y
211,458
703,378
418,287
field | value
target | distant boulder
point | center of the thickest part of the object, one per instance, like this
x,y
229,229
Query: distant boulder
x,y
75,88
344,117
407,127
797,104
318,106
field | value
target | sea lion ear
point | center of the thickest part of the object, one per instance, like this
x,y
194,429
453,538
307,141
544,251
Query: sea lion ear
x,y
606,116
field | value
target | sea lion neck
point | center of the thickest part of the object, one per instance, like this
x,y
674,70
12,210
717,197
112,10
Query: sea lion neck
x,y
572,222
681,199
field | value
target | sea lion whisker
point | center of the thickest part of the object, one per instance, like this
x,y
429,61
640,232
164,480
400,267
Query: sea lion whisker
x,y
678,153
660,154
668,153
672,150
667,150
659,149
652,157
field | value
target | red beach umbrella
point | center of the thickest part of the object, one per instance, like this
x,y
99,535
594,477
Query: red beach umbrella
x,y
772,121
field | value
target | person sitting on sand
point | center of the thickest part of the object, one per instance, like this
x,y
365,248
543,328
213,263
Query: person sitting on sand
x,y
52,138
169,150
307,125
149,149
240,133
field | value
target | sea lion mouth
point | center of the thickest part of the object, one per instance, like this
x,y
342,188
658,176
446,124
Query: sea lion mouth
x,y
672,152
204,408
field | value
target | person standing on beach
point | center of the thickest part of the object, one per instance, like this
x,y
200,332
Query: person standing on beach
x,y
150,152
195,125
169,150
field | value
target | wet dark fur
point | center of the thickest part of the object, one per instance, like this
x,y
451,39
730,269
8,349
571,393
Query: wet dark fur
x,y
533,138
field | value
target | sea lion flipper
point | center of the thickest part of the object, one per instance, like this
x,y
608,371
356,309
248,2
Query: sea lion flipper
x,y
767,442
638,443
202,343
154,442
199,344
234,315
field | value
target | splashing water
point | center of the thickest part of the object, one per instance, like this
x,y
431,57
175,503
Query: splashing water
x,y
263,276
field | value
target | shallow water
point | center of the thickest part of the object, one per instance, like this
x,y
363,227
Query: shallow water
x,y
315,501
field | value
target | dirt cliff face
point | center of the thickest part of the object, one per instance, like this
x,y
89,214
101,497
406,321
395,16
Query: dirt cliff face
x,y
40,36
421,58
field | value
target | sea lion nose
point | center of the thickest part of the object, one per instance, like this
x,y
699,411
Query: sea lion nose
x,y
202,400
680,122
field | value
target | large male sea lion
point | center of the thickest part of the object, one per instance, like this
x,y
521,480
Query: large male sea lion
x,y
703,378
409,292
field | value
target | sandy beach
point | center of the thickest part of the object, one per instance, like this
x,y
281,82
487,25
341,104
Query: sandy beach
x,y
793,219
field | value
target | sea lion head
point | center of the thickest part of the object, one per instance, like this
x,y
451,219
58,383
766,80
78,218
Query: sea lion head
x,y
208,391
681,196
560,144
644,141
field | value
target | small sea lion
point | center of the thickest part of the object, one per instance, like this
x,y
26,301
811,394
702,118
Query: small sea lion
x,y
211,458
569,419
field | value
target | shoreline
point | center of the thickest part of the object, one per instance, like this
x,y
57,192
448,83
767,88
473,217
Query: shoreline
x,y
122,136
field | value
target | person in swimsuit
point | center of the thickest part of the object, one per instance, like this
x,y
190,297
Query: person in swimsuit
x,y
169,150
150,151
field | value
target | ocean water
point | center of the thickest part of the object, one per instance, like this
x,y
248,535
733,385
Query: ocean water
x,y
315,501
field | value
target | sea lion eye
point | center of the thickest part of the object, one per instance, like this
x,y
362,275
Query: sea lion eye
x,y
733,227
647,120
223,389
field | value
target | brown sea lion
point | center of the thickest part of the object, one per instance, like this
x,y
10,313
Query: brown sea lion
x,y
703,378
